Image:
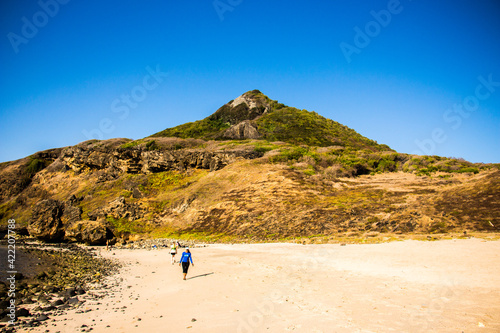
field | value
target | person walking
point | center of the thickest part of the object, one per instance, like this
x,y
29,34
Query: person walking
x,y
186,257
173,252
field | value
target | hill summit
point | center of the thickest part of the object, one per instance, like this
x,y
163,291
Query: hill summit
x,y
253,115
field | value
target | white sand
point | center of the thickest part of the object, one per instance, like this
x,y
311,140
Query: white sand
x,y
410,286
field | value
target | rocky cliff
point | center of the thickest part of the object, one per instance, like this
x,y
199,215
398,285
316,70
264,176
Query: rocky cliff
x,y
144,159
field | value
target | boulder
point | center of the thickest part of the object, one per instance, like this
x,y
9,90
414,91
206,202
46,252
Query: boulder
x,y
243,130
45,223
89,232
70,214
51,217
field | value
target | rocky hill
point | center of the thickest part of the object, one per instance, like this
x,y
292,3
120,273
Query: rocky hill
x,y
254,170
254,116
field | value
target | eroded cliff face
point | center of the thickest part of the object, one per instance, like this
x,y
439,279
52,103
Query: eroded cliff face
x,y
141,160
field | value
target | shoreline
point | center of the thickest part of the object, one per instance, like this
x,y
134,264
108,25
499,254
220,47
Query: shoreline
x,y
411,286
50,279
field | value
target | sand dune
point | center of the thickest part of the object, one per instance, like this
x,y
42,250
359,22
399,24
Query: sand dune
x,y
410,286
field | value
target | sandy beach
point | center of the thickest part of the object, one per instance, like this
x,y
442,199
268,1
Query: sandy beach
x,y
408,286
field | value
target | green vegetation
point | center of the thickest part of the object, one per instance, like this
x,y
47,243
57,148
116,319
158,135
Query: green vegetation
x,y
123,225
439,227
264,148
301,127
151,145
200,236
169,180
261,146
293,154
132,144
426,165
207,128
6,211
34,166
159,206
349,162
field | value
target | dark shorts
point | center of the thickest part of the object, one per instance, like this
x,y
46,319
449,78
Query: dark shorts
x,y
185,266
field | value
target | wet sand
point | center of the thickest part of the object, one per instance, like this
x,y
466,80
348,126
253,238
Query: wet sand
x,y
409,286
24,263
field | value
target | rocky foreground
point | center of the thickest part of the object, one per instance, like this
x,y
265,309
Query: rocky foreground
x,y
55,278
49,281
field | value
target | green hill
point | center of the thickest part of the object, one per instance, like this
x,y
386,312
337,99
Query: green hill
x,y
273,121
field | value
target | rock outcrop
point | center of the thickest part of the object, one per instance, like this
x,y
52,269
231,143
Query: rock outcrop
x,y
118,209
140,160
71,213
46,221
56,221
89,232
248,106
244,130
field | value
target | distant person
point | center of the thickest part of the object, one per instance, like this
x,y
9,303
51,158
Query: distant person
x,y
186,257
173,252
178,244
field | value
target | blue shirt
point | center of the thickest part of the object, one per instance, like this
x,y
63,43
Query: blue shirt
x,y
186,257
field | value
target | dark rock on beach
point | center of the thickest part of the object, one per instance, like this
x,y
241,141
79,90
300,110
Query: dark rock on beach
x,y
46,221
54,277
56,221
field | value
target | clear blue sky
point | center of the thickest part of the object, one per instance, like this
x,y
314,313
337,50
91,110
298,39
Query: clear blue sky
x,y
420,76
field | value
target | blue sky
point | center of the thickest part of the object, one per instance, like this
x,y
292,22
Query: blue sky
x,y
420,76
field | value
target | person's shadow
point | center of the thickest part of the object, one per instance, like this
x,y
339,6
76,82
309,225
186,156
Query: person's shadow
x,y
201,275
